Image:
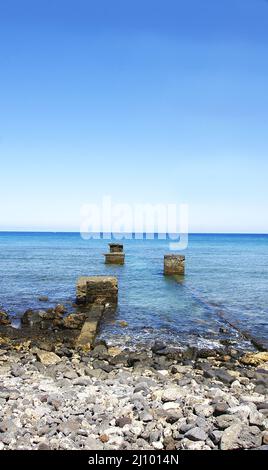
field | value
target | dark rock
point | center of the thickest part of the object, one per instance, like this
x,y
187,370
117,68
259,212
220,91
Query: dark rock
x,y
190,354
60,309
261,389
32,317
159,347
43,298
74,321
121,422
173,416
196,434
263,405
216,436
209,373
97,364
46,346
100,351
220,408
224,376
43,446
169,443
186,427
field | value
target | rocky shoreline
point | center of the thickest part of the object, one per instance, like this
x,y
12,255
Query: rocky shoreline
x,y
53,396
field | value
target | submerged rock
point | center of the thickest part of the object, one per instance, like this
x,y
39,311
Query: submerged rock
x,y
32,317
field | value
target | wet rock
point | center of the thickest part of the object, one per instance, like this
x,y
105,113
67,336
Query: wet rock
x,y
32,317
60,309
254,359
74,321
159,347
43,298
101,352
4,318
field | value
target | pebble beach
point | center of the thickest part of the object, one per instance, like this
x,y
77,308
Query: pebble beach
x,y
56,397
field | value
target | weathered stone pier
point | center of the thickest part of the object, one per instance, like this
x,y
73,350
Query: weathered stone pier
x,y
116,255
95,295
174,264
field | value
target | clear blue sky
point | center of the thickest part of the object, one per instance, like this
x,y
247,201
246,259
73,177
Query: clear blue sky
x,y
157,101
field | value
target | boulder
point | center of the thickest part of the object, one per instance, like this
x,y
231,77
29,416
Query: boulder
x,y
254,359
48,358
239,436
4,319
32,317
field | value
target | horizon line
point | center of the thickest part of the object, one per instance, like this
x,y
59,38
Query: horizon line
x,y
130,233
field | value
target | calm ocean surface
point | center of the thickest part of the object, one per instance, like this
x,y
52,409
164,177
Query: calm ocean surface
x,y
224,291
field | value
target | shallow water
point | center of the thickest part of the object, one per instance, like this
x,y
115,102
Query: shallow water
x,y
225,283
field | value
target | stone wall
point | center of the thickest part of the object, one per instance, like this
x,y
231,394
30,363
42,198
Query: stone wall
x,y
116,247
97,289
114,258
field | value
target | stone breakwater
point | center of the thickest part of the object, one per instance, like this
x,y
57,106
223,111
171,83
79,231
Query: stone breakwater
x,y
56,397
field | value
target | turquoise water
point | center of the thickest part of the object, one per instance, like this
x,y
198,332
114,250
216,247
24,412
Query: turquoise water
x,y
225,282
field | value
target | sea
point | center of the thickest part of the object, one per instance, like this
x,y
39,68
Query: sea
x,y
221,299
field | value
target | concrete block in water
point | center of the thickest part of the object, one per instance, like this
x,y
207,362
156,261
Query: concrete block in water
x,y
174,264
116,247
114,258
97,290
